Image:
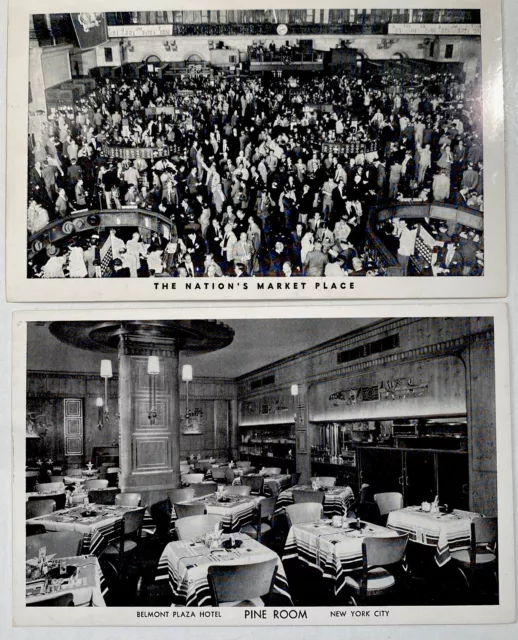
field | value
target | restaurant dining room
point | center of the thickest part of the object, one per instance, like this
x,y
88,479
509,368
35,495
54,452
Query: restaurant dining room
x,y
253,462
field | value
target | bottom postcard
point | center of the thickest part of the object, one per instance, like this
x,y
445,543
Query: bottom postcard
x,y
326,466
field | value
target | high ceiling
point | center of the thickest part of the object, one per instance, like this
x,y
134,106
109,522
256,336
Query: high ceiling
x,y
256,344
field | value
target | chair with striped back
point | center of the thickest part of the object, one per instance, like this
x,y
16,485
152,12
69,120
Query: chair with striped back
x,y
118,552
64,544
265,513
308,495
128,499
374,580
241,585
238,490
196,526
256,484
305,512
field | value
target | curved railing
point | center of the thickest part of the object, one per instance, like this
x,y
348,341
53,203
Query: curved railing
x,y
97,219
415,209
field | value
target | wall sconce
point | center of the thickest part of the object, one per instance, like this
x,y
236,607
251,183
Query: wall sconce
x,y
153,369
99,403
106,373
187,377
294,394
386,43
170,46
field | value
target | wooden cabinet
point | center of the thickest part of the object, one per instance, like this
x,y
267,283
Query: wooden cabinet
x,y
419,474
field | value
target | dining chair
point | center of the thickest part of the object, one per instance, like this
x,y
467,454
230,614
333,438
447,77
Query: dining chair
x,y
103,496
161,514
188,510
229,474
272,471
256,484
49,487
481,554
389,501
128,499
74,473
219,475
56,479
30,481
117,553
295,477
241,585
112,475
308,495
204,489
181,495
34,529
304,512
243,464
185,467
96,484
36,508
63,600
265,512
374,580
324,481
64,544
193,478
203,466
59,499
195,526
238,490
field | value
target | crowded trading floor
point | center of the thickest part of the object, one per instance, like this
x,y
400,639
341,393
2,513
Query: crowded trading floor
x,y
261,170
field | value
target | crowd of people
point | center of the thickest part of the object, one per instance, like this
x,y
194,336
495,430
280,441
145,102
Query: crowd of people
x,y
245,183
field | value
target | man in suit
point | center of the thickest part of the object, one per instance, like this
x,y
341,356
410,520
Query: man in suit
x,y
315,262
118,270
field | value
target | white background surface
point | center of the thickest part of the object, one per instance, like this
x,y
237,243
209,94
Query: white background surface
x,y
497,632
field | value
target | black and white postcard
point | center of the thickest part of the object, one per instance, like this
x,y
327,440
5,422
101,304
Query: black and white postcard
x,y
351,151
326,466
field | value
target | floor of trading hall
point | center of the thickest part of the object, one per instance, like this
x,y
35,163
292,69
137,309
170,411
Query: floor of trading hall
x,y
242,143
381,424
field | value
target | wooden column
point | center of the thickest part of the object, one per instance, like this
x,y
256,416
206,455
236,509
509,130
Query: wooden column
x,y
149,448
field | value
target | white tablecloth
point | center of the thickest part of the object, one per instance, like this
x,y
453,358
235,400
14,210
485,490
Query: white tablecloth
x,y
332,551
88,588
184,564
336,500
446,532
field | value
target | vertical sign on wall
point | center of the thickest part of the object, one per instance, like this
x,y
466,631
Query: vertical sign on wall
x,y
73,426
90,29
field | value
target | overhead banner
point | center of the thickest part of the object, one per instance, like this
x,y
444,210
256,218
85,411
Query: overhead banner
x,y
90,29
434,29
137,31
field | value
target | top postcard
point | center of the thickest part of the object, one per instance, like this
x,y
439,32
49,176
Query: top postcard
x,y
251,154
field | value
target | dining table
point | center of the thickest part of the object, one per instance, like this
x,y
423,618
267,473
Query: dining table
x,y
235,511
273,484
99,529
445,531
334,552
86,584
185,564
337,500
